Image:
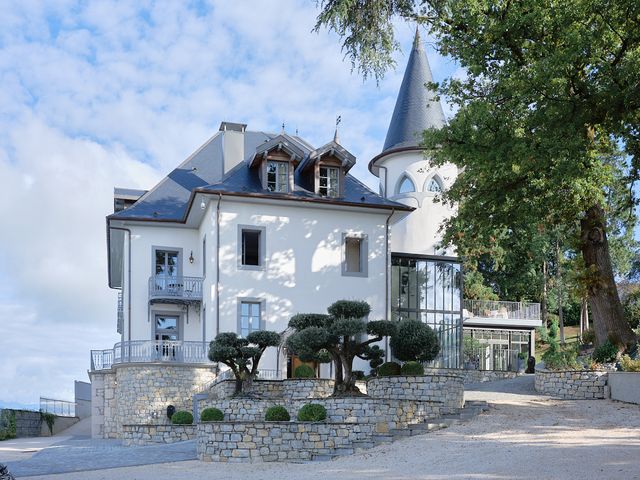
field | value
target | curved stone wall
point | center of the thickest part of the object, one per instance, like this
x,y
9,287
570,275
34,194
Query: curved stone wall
x,y
301,388
442,388
156,434
571,384
472,376
143,391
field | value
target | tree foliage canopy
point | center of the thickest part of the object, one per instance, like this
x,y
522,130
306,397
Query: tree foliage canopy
x,y
414,341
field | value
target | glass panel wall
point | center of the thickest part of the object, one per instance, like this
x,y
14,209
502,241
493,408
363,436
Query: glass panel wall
x,y
430,290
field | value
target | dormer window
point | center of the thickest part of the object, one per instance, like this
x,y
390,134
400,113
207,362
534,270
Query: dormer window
x,y
329,181
277,176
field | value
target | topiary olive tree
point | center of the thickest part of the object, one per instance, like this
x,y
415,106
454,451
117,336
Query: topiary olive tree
x,y
338,337
242,355
414,341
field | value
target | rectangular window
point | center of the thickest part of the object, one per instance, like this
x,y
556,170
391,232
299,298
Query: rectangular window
x,y
251,247
167,263
329,181
250,317
355,255
277,176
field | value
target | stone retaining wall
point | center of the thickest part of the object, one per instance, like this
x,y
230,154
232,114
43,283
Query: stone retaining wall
x,y
291,388
472,376
156,434
575,385
275,441
441,388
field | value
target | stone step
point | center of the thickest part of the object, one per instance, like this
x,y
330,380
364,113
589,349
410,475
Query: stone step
x,y
323,457
381,438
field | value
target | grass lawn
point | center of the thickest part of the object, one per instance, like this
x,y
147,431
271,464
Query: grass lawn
x,y
570,336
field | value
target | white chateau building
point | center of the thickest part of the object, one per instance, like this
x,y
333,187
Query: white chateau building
x,y
255,227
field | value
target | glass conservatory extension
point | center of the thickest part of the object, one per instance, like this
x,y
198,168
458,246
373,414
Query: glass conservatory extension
x,y
430,289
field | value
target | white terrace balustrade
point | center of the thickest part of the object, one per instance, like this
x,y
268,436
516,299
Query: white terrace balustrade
x,y
142,351
495,309
177,288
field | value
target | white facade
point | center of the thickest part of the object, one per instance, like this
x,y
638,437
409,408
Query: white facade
x,y
419,233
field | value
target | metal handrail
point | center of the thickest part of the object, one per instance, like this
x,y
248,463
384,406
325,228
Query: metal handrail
x,y
178,287
500,309
61,408
149,351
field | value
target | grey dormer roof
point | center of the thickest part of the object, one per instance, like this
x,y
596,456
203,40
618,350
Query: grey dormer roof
x,y
416,108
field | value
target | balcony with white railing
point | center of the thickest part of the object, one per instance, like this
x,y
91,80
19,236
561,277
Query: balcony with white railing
x,y
179,289
150,351
501,313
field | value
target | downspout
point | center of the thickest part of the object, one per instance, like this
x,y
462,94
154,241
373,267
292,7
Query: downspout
x,y
217,289
387,286
128,287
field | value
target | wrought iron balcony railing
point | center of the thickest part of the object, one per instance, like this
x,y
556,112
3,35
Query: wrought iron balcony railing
x,y
168,287
143,351
501,310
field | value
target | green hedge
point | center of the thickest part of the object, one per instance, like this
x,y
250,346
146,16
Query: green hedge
x,y
389,368
312,412
7,424
211,415
182,417
304,371
277,413
412,368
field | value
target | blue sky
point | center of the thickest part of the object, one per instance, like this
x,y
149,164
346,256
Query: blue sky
x,y
101,94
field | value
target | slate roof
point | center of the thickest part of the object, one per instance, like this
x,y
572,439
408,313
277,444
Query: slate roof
x,y
416,109
202,172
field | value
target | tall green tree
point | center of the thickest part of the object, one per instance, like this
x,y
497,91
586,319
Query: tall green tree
x,y
547,120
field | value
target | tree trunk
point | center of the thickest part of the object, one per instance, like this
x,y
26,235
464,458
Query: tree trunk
x,y
543,303
559,280
608,316
339,376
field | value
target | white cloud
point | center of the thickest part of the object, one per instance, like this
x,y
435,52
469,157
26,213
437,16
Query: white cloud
x,y
102,94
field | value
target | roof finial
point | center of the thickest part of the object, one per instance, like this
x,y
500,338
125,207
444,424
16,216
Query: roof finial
x,y
282,127
335,135
297,132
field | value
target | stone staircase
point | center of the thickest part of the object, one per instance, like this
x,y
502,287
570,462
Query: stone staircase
x,y
470,410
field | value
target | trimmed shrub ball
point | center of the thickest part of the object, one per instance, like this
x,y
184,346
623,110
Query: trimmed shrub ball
x,y
304,371
211,415
412,368
389,368
277,413
182,417
604,353
312,412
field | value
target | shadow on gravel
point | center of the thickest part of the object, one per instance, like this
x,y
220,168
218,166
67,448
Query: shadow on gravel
x,y
80,454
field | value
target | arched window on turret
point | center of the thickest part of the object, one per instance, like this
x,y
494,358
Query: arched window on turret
x,y
433,185
406,185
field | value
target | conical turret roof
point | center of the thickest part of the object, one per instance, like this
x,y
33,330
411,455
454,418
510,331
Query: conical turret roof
x,y
416,108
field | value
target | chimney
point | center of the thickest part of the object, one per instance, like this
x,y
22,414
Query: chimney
x,y
232,144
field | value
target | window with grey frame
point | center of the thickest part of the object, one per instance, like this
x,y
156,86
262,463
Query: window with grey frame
x,y
329,181
167,269
250,317
251,247
277,176
430,290
355,255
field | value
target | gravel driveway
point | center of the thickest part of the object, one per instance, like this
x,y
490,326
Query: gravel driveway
x,y
523,436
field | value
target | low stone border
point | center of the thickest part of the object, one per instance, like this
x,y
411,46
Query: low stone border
x,y
473,376
625,386
290,388
275,441
442,388
156,434
572,384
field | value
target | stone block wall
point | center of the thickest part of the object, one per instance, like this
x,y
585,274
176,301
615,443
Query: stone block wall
x,y
445,389
275,441
156,434
28,423
472,376
291,388
575,385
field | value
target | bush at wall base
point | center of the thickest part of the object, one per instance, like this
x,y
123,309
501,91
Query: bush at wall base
x,y
182,417
412,368
211,415
312,412
277,413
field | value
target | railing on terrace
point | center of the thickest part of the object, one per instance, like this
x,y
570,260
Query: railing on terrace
x,y
501,310
491,358
62,408
175,287
141,351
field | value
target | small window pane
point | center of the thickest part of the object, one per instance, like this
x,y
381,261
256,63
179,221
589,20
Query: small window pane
x,y
277,176
251,247
406,186
352,253
329,181
434,186
249,321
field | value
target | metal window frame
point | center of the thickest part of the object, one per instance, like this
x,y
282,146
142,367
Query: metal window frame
x,y
320,177
156,248
263,310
